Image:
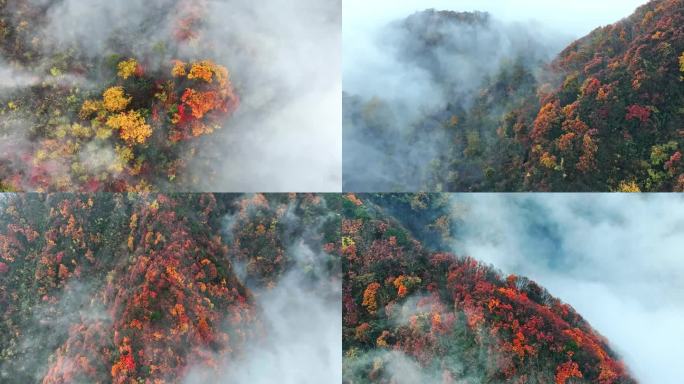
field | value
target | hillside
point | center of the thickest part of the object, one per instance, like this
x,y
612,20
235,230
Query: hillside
x,y
122,289
415,314
605,114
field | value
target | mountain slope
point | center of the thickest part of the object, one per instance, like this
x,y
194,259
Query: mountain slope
x,y
459,72
415,315
615,119
144,288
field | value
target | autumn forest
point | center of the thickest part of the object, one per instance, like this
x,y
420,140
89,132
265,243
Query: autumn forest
x,y
493,107
341,191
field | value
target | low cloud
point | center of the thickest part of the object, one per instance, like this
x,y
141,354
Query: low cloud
x,y
284,59
612,257
303,333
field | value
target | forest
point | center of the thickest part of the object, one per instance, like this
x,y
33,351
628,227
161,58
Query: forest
x,y
74,121
496,112
415,312
155,288
168,96
233,288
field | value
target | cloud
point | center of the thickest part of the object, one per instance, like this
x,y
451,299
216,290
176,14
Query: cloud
x,y
612,257
285,62
303,333
404,78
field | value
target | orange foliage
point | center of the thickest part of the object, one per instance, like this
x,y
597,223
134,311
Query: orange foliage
x,y
549,116
201,102
355,200
203,70
360,331
114,99
567,370
369,298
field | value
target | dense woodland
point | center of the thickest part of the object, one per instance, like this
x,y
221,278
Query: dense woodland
x,y
415,313
74,119
119,288
144,288
605,115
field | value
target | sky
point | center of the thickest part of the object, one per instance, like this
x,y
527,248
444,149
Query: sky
x,y
577,17
615,258
564,21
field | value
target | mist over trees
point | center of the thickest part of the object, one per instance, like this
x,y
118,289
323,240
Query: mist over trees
x,y
167,95
458,101
418,313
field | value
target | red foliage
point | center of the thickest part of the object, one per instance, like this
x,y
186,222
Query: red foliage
x,y
638,112
566,371
674,160
168,305
513,318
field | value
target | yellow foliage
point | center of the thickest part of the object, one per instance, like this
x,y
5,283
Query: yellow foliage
x,y
88,108
199,129
221,74
79,131
131,125
41,155
202,70
629,187
103,133
127,68
548,160
681,62
178,69
115,99
347,242
123,156
61,131
381,341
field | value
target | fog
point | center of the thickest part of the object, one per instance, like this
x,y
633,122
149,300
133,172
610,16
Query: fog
x,y
303,340
300,311
614,258
285,62
285,56
569,19
577,17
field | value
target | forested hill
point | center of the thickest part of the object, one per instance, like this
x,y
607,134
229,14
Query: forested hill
x,y
496,107
615,120
114,288
413,313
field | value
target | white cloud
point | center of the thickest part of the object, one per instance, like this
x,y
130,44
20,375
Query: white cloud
x,y
614,258
302,328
